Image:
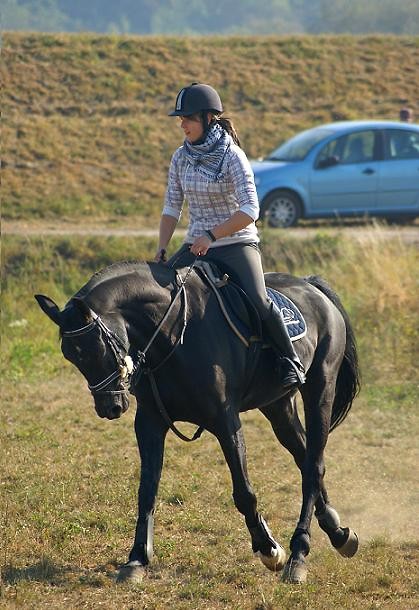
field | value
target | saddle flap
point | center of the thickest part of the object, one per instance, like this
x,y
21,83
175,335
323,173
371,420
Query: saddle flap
x,y
235,305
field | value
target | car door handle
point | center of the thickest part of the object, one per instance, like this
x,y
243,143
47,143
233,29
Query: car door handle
x,y
369,171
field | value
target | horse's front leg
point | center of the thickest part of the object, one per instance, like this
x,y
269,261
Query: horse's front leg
x,y
230,436
151,434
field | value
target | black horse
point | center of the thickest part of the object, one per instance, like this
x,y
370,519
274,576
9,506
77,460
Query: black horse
x,y
160,333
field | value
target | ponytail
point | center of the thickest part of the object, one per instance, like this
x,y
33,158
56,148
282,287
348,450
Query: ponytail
x,y
228,126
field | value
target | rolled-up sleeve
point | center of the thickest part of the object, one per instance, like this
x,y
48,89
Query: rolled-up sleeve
x,y
242,178
174,198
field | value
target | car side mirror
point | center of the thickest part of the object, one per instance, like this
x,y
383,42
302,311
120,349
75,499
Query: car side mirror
x,y
328,162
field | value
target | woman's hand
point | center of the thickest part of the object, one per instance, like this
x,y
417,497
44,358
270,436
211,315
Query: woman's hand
x,y
201,245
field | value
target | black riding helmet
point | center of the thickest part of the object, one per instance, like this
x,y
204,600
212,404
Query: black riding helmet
x,y
197,98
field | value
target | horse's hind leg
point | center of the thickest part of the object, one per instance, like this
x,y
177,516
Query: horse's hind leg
x,y
287,427
343,539
286,424
230,436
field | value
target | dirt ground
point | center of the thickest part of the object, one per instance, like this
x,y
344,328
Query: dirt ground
x,y
355,228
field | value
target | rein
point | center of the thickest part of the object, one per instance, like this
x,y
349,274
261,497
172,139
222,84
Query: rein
x,y
141,355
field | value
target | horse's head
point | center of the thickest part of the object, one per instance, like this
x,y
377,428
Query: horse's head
x,y
96,350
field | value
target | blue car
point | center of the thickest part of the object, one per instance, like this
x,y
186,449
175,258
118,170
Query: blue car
x,y
350,168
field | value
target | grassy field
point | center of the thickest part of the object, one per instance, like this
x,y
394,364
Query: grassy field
x,y
69,479
86,135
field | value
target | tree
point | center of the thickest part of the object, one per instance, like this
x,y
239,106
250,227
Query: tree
x,y
35,15
213,16
224,17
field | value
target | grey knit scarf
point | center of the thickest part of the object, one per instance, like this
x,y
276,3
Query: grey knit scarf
x,y
208,157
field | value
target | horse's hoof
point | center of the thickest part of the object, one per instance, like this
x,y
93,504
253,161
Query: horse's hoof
x,y
351,545
132,572
295,572
276,561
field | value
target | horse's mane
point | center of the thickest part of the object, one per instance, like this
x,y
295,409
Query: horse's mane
x,y
108,273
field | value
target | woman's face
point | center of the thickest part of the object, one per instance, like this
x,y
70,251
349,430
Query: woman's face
x,y
192,127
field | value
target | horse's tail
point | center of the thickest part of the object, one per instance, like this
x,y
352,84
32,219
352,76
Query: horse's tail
x,y
348,379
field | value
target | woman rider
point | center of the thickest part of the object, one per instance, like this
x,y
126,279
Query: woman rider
x,y
213,174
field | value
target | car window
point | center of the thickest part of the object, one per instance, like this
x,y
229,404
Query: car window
x,y
357,147
298,147
402,144
332,149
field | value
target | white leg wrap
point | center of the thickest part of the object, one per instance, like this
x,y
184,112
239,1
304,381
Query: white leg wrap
x,y
276,561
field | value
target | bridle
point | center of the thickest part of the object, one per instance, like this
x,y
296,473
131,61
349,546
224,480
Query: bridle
x,y
123,360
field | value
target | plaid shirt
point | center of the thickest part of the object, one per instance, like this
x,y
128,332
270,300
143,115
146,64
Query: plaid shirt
x,y
212,202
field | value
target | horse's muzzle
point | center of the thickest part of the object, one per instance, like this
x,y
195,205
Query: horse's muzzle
x,y
110,405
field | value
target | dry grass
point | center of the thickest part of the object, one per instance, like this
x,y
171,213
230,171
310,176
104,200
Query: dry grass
x,y
86,130
69,501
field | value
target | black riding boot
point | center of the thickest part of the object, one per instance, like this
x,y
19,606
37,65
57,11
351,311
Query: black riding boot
x,y
292,369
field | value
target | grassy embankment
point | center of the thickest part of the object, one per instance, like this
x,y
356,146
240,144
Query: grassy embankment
x,y
86,134
69,479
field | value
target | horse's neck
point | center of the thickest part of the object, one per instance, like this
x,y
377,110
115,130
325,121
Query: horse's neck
x,y
143,299
139,298
138,282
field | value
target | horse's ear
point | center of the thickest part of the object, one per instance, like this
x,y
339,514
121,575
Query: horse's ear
x,y
84,309
49,307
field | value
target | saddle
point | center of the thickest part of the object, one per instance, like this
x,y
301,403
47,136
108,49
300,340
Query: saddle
x,y
240,313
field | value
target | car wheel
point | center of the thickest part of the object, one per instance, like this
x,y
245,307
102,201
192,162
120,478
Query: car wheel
x,y
282,209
